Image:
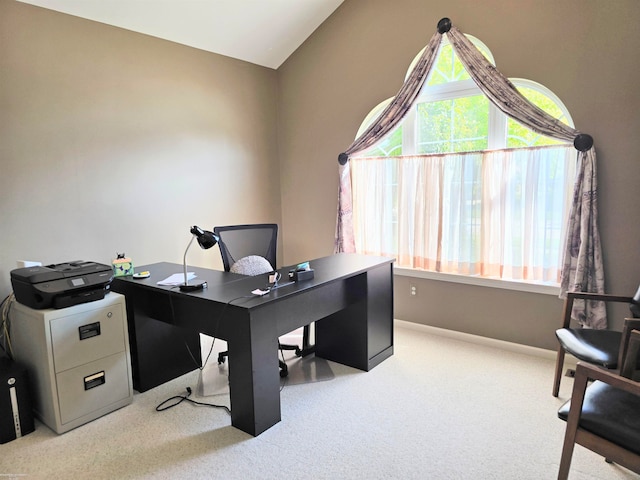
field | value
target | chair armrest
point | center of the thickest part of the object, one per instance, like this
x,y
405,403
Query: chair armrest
x,y
631,346
603,297
586,371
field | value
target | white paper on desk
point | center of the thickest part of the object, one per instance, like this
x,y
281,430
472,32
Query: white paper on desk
x,y
177,279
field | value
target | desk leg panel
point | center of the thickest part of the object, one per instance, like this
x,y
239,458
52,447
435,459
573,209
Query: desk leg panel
x,y
361,335
159,351
254,378
380,314
162,352
342,337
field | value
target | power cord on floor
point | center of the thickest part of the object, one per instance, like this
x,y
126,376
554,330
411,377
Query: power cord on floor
x,y
201,365
178,399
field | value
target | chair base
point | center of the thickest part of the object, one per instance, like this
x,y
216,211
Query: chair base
x,y
284,370
306,349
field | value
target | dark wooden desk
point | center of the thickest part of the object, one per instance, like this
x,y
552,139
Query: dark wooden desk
x,y
350,298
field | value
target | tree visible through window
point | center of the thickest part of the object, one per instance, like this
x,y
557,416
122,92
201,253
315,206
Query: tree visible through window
x,y
460,188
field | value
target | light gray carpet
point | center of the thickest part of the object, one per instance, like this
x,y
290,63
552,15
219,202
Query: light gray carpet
x,y
438,409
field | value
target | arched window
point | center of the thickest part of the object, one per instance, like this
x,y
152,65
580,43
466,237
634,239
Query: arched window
x,y
460,188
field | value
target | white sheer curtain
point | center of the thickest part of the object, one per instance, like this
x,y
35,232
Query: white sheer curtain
x,y
494,214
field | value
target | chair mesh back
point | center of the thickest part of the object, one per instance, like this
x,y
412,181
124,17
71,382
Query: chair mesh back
x,y
635,305
239,241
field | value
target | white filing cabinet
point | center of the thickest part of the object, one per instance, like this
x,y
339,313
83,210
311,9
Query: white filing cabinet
x,y
77,358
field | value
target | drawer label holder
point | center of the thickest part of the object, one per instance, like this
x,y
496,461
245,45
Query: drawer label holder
x,y
94,380
90,330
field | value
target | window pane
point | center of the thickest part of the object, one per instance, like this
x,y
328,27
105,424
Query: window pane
x,y
389,147
448,68
456,125
521,136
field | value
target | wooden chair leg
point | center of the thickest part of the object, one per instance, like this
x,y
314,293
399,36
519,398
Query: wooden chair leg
x,y
565,460
573,420
558,375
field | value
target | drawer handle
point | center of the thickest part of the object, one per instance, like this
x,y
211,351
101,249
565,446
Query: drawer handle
x,y
90,330
93,381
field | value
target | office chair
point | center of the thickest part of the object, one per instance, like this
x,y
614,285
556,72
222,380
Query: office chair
x,y
604,348
604,416
241,248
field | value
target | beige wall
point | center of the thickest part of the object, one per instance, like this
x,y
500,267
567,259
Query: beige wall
x,y
585,51
112,141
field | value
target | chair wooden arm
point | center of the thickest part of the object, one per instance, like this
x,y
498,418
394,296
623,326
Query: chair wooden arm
x,y
603,297
586,372
574,435
629,358
592,372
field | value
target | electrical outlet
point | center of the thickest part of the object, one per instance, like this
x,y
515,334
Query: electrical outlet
x,y
413,290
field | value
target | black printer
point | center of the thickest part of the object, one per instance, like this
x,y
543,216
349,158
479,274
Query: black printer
x,y
61,285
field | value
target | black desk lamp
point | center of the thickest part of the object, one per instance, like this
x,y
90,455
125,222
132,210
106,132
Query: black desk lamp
x,y
206,240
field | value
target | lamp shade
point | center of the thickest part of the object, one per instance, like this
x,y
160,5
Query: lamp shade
x,y
206,240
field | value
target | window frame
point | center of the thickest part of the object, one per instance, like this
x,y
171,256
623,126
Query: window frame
x,y
497,139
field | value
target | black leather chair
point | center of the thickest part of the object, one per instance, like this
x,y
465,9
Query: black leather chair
x,y
604,416
604,348
239,247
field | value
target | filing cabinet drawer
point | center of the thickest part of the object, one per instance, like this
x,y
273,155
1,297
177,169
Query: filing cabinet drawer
x,y
87,336
88,388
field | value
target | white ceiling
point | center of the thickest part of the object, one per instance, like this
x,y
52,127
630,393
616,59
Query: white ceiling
x,y
264,32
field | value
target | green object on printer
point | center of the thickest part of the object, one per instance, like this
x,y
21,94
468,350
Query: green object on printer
x,y
122,266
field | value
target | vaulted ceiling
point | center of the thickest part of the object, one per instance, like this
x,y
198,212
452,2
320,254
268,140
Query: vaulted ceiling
x,y
264,32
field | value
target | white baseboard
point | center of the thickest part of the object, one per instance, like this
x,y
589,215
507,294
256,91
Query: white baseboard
x,y
477,339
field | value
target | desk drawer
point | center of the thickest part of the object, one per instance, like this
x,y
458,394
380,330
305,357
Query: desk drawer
x,y
84,337
91,387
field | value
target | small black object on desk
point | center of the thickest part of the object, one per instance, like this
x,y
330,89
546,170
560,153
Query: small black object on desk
x,y
300,275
